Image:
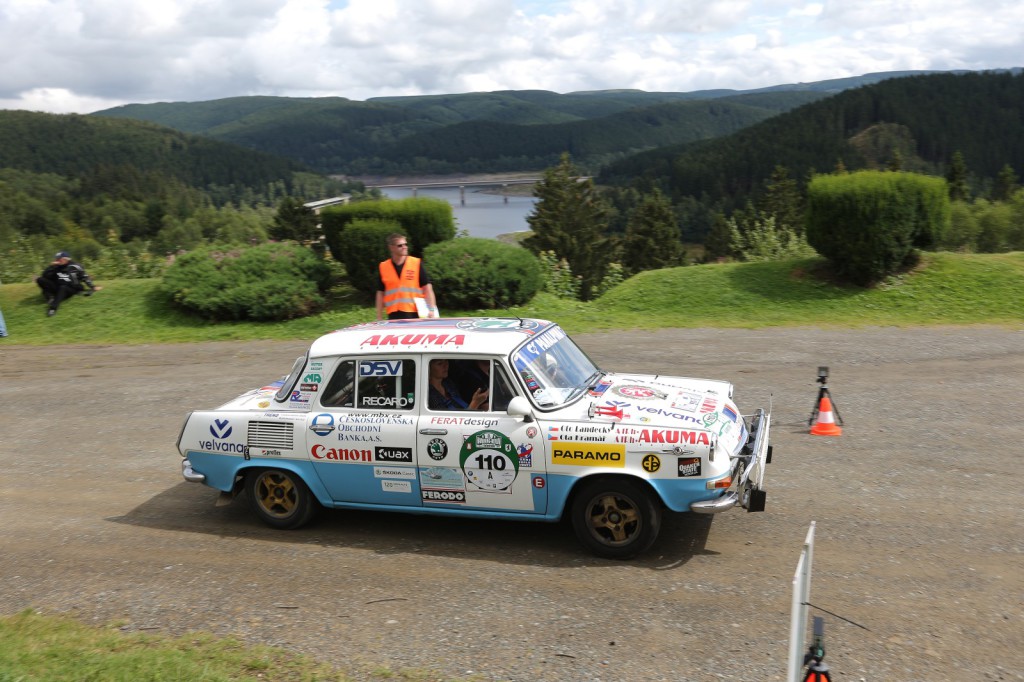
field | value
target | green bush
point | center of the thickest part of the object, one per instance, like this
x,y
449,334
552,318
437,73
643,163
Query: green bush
x,y
557,276
266,282
362,249
868,223
482,273
962,234
424,221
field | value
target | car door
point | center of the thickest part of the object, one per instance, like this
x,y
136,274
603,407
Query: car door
x,y
362,436
478,459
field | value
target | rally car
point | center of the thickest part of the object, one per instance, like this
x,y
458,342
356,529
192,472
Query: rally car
x,y
485,417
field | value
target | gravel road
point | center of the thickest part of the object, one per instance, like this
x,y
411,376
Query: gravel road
x,y
918,543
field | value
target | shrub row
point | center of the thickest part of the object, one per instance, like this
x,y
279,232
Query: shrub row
x,y
266,282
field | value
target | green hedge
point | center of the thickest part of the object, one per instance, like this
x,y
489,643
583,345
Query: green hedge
x,y
424,221
364,249
266,282
482,273
868,223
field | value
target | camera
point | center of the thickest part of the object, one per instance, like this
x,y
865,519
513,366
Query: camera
x,y
822,374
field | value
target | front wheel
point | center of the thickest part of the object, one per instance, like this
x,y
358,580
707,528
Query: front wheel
x,y
280,498
616,519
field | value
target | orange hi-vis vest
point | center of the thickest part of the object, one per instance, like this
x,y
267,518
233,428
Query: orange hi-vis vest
x,y
400,294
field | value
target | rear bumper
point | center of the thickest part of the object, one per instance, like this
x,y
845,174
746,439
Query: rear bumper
x,y
189,475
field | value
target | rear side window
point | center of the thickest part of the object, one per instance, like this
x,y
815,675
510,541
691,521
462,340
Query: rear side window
x,y
372,385
386,384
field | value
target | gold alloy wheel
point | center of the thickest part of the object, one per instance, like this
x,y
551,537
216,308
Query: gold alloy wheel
x,y
277,494
614,519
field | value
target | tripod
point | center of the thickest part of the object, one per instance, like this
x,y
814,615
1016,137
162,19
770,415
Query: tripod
x,y
823,392
817,669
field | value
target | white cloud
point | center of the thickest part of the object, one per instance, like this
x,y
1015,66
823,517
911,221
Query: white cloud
x,y
85,55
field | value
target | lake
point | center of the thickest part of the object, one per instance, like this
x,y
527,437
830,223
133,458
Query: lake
x,y
484,215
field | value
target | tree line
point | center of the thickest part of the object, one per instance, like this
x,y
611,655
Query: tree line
x,y
125,194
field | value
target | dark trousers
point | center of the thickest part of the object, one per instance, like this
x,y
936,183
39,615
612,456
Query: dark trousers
x,y
56,292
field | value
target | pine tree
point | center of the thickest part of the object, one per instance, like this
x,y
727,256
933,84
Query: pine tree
x,y
782,201
571,219
294,221
956,176
719,241
1006,184
652,236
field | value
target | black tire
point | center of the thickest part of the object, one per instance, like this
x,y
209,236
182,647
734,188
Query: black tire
x,y
615,518
280,498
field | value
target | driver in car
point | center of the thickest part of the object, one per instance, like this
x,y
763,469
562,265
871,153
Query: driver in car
x,y
445,396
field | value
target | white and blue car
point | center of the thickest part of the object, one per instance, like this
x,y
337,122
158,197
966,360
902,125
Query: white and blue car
x,y
355,425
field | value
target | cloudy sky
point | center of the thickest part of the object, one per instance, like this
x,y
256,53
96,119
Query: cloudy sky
x,y
85,55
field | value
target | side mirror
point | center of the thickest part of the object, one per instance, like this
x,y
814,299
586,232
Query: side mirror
x,y
520,407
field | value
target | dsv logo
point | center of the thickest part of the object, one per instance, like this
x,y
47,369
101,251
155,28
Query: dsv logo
x,y
381,368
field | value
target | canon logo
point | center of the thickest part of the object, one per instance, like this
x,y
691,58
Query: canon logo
x,y
340,454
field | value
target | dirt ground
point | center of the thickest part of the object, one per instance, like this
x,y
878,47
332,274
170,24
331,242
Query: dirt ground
x,y
917,566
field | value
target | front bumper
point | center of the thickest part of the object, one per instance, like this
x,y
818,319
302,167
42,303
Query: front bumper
x,y
719,504
748,472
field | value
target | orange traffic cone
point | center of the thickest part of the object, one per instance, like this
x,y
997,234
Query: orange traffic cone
x,y
826,424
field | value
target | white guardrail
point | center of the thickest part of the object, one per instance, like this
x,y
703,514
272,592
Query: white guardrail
x,y
798,613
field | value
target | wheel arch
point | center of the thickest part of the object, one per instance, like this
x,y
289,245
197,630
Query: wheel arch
x,y
583,481
300,468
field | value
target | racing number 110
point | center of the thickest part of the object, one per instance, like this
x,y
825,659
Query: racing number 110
x,y
491,462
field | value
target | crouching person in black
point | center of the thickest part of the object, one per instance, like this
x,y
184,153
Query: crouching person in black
x,y
62,279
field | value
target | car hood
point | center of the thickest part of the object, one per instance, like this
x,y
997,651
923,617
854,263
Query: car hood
x,y
644,408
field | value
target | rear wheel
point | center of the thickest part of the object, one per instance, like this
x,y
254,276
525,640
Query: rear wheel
x,y
280,498
615,518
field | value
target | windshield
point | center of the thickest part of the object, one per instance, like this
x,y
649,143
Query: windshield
x,y
553,368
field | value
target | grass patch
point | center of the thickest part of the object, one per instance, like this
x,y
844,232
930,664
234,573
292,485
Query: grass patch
x,y
946,288
54,649
46,648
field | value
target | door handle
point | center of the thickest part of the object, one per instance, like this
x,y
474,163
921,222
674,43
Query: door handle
x,y
434,432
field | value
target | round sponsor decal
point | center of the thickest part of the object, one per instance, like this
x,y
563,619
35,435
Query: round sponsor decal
x,y
489,460
322,424
651,463
639,392
531,432
437,449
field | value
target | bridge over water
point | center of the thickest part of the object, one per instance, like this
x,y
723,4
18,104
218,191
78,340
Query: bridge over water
x,y
462,185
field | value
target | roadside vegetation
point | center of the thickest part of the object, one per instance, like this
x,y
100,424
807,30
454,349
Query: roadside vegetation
x,y
944,288
46,648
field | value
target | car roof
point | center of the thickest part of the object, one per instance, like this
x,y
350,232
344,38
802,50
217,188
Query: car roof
x,y
461,335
